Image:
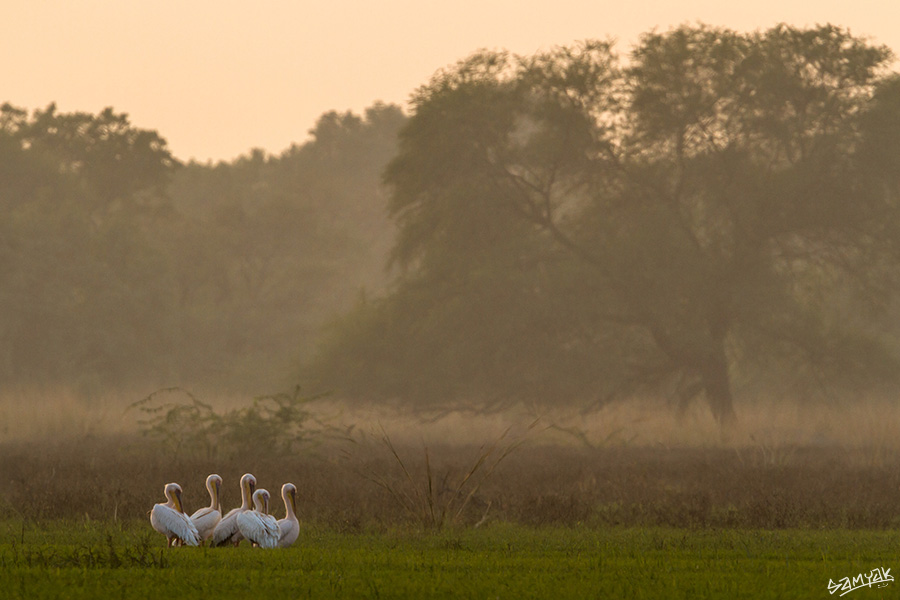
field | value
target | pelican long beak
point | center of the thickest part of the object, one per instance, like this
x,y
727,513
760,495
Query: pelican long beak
x,y
294,501
177,497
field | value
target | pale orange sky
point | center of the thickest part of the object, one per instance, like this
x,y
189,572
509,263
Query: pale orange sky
x,y
217,78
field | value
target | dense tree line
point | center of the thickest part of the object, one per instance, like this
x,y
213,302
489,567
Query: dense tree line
x,y
121,267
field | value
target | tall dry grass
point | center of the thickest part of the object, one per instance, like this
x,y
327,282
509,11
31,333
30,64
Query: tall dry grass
x,y
873,423
59,414
50,413
783,466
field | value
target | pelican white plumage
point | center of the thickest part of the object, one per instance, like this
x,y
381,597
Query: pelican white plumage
x,y
258,525
226,531
169,519
288,527
206,519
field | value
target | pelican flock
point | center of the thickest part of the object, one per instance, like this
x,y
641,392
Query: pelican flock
x,y
208,524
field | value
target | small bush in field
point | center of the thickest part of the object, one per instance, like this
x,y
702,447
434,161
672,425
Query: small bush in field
x,y
185,425
276,424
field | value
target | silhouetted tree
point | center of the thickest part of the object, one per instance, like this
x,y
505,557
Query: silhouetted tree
x,y
568,222
115,159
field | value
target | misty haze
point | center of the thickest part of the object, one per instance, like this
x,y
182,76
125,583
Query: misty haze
x,y
598,288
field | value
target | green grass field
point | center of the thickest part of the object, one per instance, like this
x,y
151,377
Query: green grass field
x,y
91,560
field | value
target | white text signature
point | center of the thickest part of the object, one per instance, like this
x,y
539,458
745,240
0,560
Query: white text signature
x,y
878,577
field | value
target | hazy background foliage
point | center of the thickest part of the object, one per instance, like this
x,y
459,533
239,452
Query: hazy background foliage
x,y
713,215
123,269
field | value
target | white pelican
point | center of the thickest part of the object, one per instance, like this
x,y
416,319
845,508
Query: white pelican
x,y
169,519
206,518
288,527
226,530
258,525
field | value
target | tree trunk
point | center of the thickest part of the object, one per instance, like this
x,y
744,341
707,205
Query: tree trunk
x,y
717,388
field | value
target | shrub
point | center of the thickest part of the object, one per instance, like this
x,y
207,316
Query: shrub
x,y
277,424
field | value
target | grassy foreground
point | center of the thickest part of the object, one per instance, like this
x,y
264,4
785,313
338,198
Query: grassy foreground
x,y
90,560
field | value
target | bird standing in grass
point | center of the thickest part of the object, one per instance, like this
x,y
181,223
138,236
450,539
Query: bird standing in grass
x,y
289,526
169,519
258,525
226,531
206,519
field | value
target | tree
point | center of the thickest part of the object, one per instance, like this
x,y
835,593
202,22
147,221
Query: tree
x,y
85,290
679,215
276,245
121,268
115,159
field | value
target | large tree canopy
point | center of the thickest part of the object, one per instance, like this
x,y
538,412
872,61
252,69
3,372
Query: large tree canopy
x,y
574,225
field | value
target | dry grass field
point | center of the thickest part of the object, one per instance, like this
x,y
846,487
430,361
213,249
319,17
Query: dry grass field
x,y
783,467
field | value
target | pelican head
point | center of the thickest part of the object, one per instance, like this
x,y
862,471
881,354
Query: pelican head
x,y
213,482
261,501
289,494
248,482
173,495
248,485
214,487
